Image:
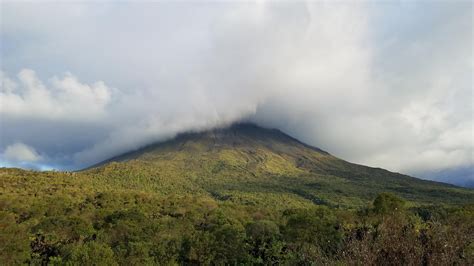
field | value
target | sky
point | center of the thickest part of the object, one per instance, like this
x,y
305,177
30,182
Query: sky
x,y
386,84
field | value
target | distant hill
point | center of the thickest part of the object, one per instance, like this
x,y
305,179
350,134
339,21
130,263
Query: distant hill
x,y
247,163
460,176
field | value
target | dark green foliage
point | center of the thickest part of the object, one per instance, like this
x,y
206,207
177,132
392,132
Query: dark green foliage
x,y
317,227
92,253
136,228
14,242
230,246
264,240
386,203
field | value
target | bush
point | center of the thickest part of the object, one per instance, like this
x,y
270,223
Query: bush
x,y
387,203
92,253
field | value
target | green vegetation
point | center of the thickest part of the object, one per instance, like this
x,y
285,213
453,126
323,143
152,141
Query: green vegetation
x,y
238,196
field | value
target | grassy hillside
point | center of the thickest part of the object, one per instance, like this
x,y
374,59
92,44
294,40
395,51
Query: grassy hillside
x,y
242,195
246,164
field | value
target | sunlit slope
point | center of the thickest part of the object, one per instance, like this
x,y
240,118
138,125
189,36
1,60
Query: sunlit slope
x,y
250,165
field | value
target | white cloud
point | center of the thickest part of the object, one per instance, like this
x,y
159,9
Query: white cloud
x,y
384,85
19,152
66,98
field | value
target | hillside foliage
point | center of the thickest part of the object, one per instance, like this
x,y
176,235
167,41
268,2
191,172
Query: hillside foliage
x,y
77,219
256,197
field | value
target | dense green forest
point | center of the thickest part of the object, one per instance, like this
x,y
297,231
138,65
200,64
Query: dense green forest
x,y
71,218
241,196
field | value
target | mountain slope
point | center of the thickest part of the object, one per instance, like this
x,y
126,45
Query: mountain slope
x,y
242,195
251,165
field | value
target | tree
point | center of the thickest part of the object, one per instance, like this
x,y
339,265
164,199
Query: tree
x,y
264,242
92,253
387,203
313,233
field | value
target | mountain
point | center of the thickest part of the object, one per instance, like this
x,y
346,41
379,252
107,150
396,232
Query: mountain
x,y
248,164
242,195
460,176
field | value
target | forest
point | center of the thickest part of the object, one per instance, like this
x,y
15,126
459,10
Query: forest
x,y
64,218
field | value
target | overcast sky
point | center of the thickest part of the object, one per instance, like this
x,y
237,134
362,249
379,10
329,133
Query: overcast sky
x,y
382,84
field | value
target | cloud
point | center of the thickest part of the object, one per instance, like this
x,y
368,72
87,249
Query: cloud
x,y
65,99
384,85
19,152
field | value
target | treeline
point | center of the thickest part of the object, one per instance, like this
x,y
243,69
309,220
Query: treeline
x,y
118,228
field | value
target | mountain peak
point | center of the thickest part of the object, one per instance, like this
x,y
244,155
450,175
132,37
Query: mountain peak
x,y
244,159
242,135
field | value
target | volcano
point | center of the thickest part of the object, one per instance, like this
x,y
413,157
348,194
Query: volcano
x,y
236,195
249,164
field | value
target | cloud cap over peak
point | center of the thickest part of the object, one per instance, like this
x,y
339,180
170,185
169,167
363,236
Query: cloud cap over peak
x,y
385,85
